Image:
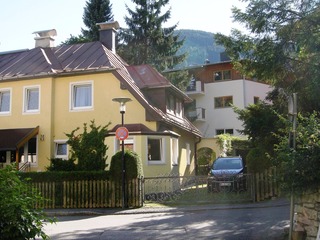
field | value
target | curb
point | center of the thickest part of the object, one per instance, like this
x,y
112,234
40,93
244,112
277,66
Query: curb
x,y
149,210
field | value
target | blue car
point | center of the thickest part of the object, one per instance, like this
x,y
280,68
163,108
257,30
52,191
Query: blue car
x,y
226,174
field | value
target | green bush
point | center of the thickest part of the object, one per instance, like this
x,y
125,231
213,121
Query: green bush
x,y
257,161
88,148
133,165
18,218
59,164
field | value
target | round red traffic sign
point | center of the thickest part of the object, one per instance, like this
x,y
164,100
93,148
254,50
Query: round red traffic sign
x,y
122,133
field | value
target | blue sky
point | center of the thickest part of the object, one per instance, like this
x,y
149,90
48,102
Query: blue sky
x,y
20,18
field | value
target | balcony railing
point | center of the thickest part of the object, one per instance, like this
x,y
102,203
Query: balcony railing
x,y
198,114
195,87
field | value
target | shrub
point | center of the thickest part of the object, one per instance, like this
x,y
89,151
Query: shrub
x,y
88,148
59,164
257,161
18,218
133,165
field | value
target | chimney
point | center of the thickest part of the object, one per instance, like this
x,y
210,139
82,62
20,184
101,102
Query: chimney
x,y
108,32
45,38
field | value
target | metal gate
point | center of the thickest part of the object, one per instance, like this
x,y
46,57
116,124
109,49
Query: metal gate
x,y
197,189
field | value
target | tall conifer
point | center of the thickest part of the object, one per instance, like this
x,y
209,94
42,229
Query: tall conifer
x,y
146,41
95,11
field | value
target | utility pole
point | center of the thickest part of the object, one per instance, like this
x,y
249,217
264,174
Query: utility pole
x,y
292,110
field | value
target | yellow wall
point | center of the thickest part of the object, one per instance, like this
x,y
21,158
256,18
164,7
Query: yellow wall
x,y
210,143
18,119
55,119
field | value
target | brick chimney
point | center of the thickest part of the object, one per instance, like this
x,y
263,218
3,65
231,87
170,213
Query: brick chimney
x,y
108,31
45,38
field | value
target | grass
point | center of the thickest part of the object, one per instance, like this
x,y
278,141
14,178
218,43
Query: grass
x,y
199,195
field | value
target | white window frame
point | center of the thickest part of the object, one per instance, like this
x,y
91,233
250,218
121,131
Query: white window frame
x,y
162,151
188,153
174,143
179,108
72,97
171,101
56,143
26,90
32,159
4,90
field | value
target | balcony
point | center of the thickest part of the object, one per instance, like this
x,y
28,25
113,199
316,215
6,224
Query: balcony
x,y
198,114
195,88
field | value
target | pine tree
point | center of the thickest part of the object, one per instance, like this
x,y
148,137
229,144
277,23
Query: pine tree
x,y
146,41
95,11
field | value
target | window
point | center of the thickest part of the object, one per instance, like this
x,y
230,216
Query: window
x,y
81,96
32,99
171,104
223,102
222,75
188,152
224,131
128,144
61,149
179,108
5,100
174,151
174,106
155,150
29,152
256,100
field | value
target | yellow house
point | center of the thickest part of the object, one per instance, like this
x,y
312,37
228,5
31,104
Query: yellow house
x,y
48,91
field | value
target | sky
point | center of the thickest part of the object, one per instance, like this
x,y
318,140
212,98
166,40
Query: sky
x,y
20,18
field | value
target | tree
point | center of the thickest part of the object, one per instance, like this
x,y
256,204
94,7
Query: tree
x,y
146,41
263,125
88,147
282,46
18,217
95,11
300,165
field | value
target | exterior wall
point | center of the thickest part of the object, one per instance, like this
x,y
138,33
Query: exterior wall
x,y
43,118
105,88
56,118
243,93
210,143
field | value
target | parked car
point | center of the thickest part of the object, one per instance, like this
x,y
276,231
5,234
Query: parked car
x,y
226,174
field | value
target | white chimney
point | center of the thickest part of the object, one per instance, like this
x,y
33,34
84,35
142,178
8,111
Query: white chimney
x,y
108,31
45,38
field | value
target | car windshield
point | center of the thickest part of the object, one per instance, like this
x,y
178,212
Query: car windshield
x,y
227,163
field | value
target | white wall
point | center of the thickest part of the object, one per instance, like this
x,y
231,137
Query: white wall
x,y
243,92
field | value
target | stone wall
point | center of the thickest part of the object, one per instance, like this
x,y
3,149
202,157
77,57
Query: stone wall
x,y
307,215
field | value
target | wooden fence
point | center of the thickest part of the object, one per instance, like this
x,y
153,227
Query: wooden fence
x,y
266,185
89,194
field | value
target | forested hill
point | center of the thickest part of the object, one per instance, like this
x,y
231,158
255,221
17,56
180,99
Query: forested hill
x,y
200,46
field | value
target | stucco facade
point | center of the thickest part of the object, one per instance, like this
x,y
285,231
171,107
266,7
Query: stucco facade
x,y
215,88
47,92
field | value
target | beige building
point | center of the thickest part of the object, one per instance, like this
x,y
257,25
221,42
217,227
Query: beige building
x,y
48,91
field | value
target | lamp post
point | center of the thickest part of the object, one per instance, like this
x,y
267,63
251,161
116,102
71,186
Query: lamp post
x,y
122,101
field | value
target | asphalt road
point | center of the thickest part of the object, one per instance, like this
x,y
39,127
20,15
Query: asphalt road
x,y
260,222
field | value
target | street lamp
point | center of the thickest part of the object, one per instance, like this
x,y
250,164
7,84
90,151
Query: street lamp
x,y
123,101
